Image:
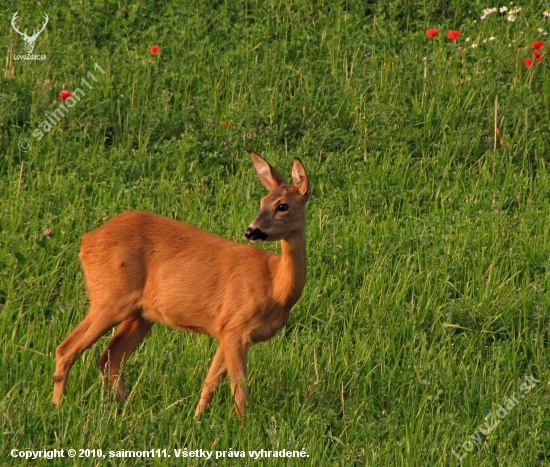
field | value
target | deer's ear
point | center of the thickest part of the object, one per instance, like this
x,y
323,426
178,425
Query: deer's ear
x,y
300,178
267,174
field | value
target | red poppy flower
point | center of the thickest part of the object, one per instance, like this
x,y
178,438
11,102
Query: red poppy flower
x,y
528,62
453,35
432,33
224,123
538,55
64,95
155,49
537,45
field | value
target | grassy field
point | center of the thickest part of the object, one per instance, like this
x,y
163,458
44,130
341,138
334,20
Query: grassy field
x,y
428,295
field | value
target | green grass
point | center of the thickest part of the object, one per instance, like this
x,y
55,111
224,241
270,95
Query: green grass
x,y
428,296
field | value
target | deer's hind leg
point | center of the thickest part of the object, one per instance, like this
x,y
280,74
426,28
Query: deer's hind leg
x,y
122,344
99,320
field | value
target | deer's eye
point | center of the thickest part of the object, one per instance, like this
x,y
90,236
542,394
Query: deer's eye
x,y
282,207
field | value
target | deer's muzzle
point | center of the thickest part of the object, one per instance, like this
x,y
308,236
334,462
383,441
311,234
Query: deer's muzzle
x,y
255,234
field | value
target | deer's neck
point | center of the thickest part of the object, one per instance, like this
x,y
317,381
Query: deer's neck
x,y
290,274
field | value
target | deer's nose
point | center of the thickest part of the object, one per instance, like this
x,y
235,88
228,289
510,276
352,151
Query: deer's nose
x,y
254,234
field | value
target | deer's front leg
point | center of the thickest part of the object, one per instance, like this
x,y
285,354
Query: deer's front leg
x,y
217,372
235,352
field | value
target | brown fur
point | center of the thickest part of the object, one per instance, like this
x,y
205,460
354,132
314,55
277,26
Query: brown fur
x,y
143,268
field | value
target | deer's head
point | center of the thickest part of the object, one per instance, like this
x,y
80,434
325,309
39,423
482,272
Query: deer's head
x,y
283,211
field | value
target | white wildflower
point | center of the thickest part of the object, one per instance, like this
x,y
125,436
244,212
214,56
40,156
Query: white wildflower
x,y
511,18
546,14
502,10
487,12
467,39
474,46
492,38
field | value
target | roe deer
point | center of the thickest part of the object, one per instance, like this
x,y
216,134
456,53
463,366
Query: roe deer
x,y
141,268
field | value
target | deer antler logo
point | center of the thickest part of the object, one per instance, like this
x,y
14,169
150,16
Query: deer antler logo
x,y
28,39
